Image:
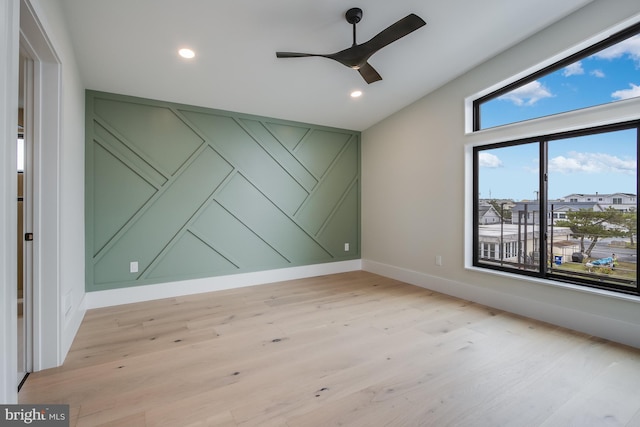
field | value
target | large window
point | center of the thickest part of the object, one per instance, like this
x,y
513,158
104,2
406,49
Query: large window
x,y
606,72
566,203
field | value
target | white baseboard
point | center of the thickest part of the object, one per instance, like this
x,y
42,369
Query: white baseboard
x,y
113,297
622,330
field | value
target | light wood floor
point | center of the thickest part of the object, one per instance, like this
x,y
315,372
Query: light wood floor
x,y
350,349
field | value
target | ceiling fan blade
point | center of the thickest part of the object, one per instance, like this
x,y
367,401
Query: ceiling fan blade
x,y
357,55
295,55
368,73
396,31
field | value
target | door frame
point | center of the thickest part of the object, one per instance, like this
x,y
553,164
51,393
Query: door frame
x,y
46,132
9,42
21,27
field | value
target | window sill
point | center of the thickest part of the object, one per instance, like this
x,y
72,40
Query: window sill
x,y
557,284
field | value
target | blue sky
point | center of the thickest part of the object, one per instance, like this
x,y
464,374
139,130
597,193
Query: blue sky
x,y
604,163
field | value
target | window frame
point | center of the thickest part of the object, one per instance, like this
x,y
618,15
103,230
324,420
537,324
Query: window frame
x,y
543,141
558,65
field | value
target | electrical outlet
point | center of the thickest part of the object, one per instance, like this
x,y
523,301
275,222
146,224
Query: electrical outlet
x,y
133,267
346,247
439,260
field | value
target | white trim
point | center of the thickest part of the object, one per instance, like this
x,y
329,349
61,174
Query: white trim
x,y
598,115
615,329
114,297
552,283
9,42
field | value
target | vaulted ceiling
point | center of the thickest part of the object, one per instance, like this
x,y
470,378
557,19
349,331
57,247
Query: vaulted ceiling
x,y
130,47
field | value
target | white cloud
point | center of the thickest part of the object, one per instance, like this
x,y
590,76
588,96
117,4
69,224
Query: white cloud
x,y
598,73
487,160
534,168
528,94
627,93
592,163
574,69
630,46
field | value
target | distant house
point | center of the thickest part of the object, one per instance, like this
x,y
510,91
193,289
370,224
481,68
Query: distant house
x,y
514,243
488,215
528,211
624,202
558,209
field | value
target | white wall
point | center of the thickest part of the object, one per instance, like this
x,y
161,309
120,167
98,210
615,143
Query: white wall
x,y
71,176
416,193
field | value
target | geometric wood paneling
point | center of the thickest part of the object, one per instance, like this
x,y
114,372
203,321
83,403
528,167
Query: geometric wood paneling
x,y
189,192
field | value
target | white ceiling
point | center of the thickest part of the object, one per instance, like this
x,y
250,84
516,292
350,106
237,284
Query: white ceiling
x,y
130,47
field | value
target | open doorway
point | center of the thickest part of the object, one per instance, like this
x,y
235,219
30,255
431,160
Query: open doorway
x,y
25,221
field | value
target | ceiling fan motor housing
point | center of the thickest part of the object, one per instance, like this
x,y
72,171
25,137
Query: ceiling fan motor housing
x,y
353,15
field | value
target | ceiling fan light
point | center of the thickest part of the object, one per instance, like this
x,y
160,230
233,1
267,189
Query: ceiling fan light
x,y
186,53
356,94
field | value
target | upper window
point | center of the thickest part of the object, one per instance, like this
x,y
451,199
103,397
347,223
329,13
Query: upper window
x,y
606,72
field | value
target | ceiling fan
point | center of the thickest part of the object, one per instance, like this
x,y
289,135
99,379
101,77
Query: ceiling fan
x,y
357,55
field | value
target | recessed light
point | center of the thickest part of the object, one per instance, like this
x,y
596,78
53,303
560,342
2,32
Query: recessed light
x,y
356,94
186,53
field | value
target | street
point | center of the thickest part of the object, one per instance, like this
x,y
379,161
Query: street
x,y
602,250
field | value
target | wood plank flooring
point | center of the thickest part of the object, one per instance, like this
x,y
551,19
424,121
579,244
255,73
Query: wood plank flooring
x,y
352,349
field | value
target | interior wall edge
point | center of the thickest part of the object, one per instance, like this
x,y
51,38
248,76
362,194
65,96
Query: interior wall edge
x,y
113,297
619,330
9,42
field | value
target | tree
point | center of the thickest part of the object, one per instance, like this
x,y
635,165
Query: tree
x,y
504,213
628,223
586,224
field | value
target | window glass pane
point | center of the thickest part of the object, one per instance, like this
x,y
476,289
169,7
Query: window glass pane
x,y
610,75
508,207
593,184
20,154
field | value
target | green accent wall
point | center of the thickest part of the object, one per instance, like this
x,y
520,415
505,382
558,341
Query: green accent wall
x,y
189,192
